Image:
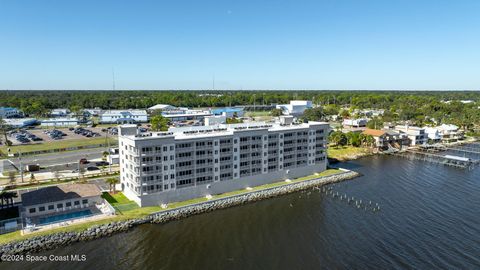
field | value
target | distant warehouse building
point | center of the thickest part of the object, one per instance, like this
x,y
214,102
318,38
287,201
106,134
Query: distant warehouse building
x,y
296,107
191,162
9,112
229,112
21,122
59,112
215,120
59,122
124,117
186,115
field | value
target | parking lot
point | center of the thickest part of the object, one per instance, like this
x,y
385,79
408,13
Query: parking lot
x,y
40,135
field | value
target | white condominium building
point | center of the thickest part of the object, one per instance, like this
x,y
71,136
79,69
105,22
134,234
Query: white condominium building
x,y
191,162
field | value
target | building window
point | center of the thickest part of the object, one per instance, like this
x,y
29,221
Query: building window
x,y
60,205
85,201
68,204
50,207
76,202
41,208
32,210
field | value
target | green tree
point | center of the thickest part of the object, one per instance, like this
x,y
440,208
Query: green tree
x,y
276,112
354,139
159,123
338,138
112,182
375,123
314,114
234,121
11,177
77,110
345,114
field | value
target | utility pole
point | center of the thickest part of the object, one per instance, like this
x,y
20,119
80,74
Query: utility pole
x,y
213,82
113,79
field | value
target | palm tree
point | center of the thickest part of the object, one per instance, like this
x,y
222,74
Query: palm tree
x,y
112,181
6,199
4,127
2,199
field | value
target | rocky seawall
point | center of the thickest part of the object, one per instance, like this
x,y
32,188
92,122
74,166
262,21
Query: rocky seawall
x,y
51,241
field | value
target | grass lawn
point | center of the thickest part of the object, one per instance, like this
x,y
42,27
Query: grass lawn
x,y
57,144
119,200
347,152
257,113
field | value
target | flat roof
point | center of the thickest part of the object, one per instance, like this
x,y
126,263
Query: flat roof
x,y
59,193
220,130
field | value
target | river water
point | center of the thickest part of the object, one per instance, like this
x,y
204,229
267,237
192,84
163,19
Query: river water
x,y
429,218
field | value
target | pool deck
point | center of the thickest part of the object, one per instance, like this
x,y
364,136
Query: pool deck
x,y
97,214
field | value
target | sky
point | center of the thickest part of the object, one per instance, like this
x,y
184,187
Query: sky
x,y
322,44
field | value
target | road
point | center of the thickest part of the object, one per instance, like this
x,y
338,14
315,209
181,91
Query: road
x,y
51,159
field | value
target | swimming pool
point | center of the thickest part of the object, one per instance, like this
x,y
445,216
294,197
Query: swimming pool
x,y
63,217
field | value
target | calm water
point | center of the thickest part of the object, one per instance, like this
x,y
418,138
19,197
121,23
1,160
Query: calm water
x,y
429,219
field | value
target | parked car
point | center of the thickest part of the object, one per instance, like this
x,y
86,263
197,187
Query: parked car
x,y
101,163
92,168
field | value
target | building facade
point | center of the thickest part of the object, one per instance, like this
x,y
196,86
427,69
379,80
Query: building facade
x,y
59,122
61,198
361,122
192,162
416,135
9,112
124,117
296,107
229,112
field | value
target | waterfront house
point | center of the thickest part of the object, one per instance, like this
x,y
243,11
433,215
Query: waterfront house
x,y
196,161
385,139
450,133
380,137
124,117
416,135
295,107
433,134
69,198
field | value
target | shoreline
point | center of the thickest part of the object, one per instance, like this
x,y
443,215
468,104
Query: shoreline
x,y
59,239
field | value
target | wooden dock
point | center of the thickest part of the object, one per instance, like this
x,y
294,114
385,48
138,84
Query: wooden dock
x,y
463,163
